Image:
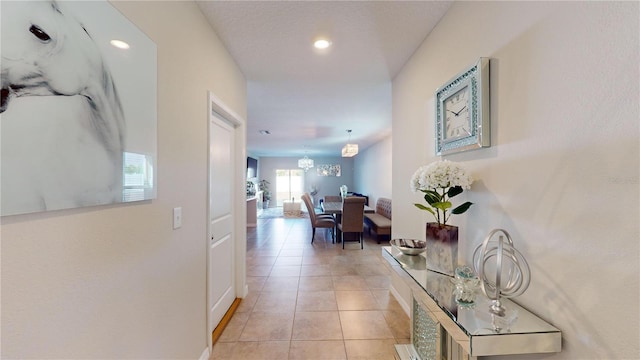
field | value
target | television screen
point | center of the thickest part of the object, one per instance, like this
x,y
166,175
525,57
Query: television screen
x,y
252,168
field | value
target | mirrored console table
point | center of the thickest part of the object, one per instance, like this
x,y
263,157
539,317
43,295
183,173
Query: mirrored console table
x,y
442,329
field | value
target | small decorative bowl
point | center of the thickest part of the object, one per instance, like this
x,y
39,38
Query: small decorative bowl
x,y
409,246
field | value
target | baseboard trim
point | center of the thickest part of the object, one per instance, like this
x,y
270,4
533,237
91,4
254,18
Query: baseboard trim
x,y
400,300
205,354
215,335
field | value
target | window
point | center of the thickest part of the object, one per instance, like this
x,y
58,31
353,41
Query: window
x,y
289,185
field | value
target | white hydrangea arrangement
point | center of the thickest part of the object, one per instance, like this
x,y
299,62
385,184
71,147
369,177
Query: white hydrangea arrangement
x,y
440,181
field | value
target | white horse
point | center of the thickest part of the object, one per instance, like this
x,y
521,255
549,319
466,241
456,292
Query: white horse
x,y
47,52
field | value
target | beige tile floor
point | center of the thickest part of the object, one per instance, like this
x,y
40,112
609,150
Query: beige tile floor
x,y
312,301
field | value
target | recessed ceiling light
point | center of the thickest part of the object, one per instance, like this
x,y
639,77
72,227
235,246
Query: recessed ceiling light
x,y
322,43
119,44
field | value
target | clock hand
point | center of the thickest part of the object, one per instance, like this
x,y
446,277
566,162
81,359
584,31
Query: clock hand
x,y
458,113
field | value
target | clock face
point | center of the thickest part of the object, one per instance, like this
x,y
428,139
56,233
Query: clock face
x,y
457,118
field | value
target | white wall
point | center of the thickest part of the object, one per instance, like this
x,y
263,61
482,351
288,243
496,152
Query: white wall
x,y
562,174
372,170
117,281
368,173
327,185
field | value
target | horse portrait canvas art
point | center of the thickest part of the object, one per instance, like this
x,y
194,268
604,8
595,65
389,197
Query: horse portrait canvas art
x,y
77,115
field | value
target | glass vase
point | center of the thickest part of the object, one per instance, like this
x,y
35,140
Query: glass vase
x,y
442,248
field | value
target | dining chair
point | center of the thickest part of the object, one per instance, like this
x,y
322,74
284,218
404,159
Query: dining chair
x,y
325,221
352,218
317,211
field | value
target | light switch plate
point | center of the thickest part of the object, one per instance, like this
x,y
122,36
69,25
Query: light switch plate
x,y
177,218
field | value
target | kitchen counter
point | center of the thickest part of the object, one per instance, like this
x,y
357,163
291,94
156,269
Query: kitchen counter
x,y
253,203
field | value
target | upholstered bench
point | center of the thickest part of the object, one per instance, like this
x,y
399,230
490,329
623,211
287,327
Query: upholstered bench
x,y
380,221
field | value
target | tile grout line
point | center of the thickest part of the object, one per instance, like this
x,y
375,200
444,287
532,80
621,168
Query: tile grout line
x,y
292,234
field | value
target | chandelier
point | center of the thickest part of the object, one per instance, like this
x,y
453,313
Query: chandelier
x,y
349,150
305,163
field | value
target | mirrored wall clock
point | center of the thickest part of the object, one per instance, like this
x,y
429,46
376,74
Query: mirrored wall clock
x,y
462,111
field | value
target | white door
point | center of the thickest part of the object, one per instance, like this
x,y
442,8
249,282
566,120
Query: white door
x,y
221,221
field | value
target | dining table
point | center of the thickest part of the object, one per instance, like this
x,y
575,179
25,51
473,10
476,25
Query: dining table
x,y
335,208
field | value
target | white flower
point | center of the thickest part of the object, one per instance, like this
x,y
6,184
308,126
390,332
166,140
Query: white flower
x,y
440,181
440,175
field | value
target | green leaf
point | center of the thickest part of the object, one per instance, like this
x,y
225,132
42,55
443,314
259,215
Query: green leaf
x,y
462,208
432,197
422,207
443,205
455,190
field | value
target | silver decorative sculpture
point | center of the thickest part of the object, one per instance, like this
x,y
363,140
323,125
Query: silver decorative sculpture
x,y
502,270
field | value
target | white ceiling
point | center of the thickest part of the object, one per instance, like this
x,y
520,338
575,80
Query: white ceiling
x,y
308,98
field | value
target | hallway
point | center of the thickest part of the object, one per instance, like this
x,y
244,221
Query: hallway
x,y
312,301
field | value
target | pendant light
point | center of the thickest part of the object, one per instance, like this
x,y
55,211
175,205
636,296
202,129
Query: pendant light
x,y
305,163
349,150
